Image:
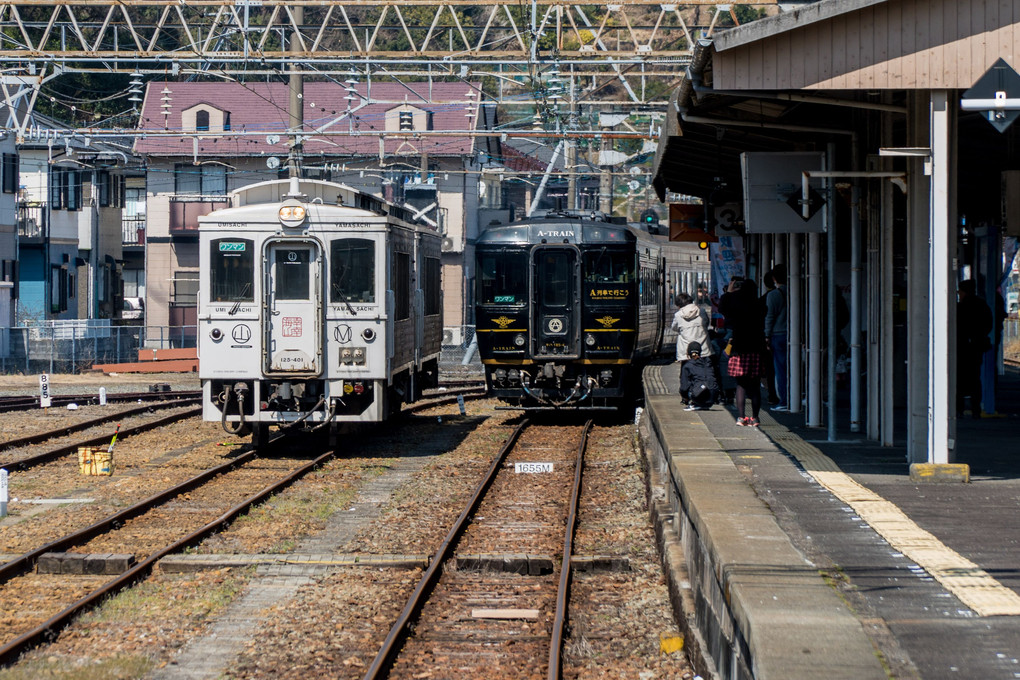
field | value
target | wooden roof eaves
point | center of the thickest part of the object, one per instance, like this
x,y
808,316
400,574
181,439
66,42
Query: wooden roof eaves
x,y
788,21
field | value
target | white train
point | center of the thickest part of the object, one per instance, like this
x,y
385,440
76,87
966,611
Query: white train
x,y
318,305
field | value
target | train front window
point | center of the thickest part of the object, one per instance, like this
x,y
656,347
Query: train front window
x,y
503,278
352,270
555,284
232,270
606,266
292,269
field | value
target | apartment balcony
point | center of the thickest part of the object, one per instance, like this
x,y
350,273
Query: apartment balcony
x,y
133,231
33,220
185,211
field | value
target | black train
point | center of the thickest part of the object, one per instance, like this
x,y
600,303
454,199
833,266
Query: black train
x,y
569,307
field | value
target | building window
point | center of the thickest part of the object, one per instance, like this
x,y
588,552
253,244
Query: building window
x,y
205,180
226,121
61,288
65,189
407,120
202,121
184,291
105,189
10,173
134,283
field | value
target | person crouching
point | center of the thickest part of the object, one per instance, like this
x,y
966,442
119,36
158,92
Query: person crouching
x,y
697,380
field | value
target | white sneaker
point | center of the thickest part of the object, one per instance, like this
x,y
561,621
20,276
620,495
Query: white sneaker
x,y
691,407
780,409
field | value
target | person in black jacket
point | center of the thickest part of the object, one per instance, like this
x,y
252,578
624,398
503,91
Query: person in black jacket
x,y
697,379
973,326
745,317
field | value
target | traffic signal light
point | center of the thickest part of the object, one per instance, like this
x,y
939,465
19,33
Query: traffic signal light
x,y
650,217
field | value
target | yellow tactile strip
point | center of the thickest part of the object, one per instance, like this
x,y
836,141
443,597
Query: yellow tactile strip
x,y
961,577
654,382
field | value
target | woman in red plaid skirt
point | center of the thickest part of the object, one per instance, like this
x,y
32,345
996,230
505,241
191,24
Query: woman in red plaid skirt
x,y
744,317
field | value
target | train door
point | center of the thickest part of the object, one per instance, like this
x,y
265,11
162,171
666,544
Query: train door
x,y
555,292
293,307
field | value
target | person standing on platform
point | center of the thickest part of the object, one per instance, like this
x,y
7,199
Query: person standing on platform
x,y
691,324
743,315
767,364
973,325
776,334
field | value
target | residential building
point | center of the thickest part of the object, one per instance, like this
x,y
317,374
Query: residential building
x,y
8,238
69,197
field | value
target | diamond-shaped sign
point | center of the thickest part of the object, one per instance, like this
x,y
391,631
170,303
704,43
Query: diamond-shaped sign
x,y
815,203
999,83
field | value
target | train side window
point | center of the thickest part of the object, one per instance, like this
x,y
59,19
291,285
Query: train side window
x,y
352,270
292,269
402,285
604,266
232,270
433,286
503,278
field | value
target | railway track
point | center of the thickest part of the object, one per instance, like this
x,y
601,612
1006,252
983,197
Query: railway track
x,y
19,403
183,515
497,607
45,457
12,463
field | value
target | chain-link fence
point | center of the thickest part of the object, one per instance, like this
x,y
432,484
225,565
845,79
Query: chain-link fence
x,y
1011,338
75,345
459,359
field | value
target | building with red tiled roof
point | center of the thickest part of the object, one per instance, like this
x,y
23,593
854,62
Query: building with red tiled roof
x,y
397,140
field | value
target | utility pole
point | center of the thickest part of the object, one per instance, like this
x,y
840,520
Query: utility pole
x,y
297,93
605,179
572,153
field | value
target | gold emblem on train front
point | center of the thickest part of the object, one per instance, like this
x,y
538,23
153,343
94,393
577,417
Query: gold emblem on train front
x,y
607,321
502,321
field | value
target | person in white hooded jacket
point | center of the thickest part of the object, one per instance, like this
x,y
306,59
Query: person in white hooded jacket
x,y
691,324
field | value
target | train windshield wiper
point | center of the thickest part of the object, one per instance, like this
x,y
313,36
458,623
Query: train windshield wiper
x,y
347,301
239,298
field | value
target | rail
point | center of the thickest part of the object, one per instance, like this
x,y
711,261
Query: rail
x,y
11,650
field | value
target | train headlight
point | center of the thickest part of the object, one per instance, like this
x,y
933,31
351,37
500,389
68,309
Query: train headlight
x,y
292,214
368,334
519,340
589,340
216,334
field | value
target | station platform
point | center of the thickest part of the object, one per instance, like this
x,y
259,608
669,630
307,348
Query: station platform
x,y
800,558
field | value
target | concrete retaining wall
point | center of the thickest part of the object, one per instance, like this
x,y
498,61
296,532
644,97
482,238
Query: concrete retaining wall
x,y
753,606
